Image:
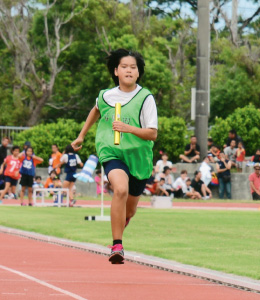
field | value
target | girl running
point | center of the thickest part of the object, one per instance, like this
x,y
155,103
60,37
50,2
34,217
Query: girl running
x,y
12,164
130,164
29,162
71,160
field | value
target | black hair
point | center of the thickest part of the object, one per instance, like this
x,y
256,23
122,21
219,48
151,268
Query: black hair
x,y
98,171
38,177
162,179
29,147
233,131
113,60
210,140
188,179
196,173
184,172
55,145
54,172
14,148
165,169
69,149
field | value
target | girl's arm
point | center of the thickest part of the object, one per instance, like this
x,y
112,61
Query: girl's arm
x,y
20,155
39,159
143,133
91,119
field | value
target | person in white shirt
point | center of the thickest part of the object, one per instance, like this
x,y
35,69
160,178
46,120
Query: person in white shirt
x,y
164,162
206,171
180,184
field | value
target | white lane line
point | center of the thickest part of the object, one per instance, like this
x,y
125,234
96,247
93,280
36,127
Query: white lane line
x,y
67,293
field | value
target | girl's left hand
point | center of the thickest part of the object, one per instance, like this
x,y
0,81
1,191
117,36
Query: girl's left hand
x,y
121,126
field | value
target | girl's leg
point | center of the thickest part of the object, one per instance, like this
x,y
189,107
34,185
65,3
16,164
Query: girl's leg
x,y
30,192
7,186
66,185
13,189
119,181
131,206
71,185
22,194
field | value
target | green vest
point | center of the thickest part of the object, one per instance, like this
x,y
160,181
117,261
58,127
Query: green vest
x,y
135,152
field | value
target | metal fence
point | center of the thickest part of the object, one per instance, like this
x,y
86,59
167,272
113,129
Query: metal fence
x,y
9,131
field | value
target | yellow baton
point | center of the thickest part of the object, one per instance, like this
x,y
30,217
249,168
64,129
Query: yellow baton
x,y
117,118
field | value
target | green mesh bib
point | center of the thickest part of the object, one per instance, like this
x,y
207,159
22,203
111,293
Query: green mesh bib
x,y
135,152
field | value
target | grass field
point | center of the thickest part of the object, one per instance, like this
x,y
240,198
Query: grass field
x,y
227,241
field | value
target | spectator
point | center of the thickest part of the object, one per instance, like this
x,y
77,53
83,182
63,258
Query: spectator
x,y
99,183
210,143
169,180
256,158
11,172
224,177
254,180
49,183
163,163
213,153
150,187
71,160
29,162
240,156
230,152
199,188
188,193
232,135
55,159
179,185
161,188
206,171
26,145
3,149
38,184
192,151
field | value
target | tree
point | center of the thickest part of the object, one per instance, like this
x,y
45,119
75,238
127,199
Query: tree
x,y
15,25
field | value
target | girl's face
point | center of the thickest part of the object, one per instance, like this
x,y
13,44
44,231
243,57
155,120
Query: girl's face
x,y
127,71
16,152
29,152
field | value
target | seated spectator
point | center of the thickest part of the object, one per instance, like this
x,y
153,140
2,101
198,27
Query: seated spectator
x,y
52,181
224,177
192,151
150,187
163,163
232,135
98,181
37,184
240,156
254,180
188,193
210,143
203,192
213,153
161,188
256,158
206,171
179,185
169,180
230,153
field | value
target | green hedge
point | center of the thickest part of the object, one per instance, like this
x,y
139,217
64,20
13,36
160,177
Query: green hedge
x,y
246,122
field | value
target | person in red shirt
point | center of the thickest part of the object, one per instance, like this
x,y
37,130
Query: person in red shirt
x,y
254,180
12,164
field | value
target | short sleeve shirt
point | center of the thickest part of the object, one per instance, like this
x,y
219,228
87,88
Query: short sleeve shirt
x,y
12,167
161,165
256,181
192,153
197,185
65,158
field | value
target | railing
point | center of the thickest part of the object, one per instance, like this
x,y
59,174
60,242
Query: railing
x,y
8,131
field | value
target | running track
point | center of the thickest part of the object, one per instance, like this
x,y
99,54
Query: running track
x,y
35,270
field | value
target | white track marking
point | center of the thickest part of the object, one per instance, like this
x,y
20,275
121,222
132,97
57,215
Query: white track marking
x,y
67,293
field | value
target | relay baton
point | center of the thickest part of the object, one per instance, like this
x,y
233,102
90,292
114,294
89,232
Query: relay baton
x,y
117,118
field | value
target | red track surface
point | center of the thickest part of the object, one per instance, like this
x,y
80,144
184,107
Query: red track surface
x,y
54,272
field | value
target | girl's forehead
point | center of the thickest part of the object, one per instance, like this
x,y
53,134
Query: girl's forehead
x,y
129,60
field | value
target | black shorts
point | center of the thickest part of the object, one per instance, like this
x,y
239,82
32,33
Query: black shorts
x,y
26,180
136,186
12,181
70,177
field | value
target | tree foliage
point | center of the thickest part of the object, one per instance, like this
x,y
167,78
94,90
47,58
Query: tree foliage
x,y
246,123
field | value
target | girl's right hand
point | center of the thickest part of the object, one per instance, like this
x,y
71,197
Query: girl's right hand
x,y
76,145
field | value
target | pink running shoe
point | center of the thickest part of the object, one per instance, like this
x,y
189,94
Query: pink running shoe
x,y
117,254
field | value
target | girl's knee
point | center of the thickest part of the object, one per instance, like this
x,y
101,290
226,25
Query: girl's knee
x,y
121,191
